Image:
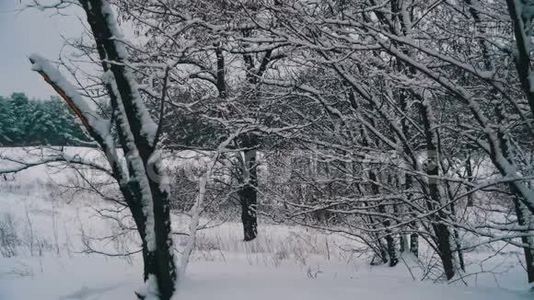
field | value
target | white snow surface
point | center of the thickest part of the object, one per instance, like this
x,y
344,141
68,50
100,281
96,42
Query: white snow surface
x,y
285,262
93,278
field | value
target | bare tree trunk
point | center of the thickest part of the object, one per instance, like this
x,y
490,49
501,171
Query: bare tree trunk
x,y
403,238
521,21
438,220
457,241
164,265
452,213
408,180
390,241
142,184
414,236
523,214
469,170
248,194
159,261
523,219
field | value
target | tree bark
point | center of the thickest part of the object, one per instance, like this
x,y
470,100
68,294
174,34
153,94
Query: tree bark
x,y
248,194
139,151
438,220
390,241
522,56
469,170
522,215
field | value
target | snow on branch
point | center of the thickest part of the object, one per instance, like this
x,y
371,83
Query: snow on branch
x,y
118,55
97,127
12,163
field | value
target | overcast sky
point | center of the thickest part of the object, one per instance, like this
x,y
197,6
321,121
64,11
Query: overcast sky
x,y
24,33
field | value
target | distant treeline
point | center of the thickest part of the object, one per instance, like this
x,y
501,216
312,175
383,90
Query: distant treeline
x,y
25,122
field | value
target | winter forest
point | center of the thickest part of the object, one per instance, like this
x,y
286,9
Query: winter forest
x,y
273,149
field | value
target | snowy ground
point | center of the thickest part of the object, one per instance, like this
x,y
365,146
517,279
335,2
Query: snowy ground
x,y
46,260
97,278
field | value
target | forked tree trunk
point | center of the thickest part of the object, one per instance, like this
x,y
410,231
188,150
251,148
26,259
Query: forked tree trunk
x,y
142,184
248,191
158,259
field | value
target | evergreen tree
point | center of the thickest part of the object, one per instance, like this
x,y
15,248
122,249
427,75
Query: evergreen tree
x,y
25,122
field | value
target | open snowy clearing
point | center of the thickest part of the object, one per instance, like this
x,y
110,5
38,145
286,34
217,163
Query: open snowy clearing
x,y
52,247
285,262
98,278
